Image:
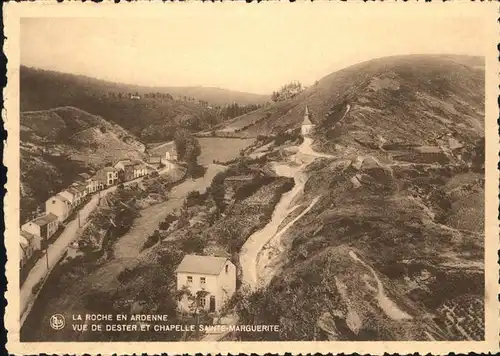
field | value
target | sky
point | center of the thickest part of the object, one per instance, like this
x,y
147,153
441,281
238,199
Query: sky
x,y
256,50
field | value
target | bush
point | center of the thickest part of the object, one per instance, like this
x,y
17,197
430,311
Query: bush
x,y
165,224
152,240
195,198
198,171
194,243
251,188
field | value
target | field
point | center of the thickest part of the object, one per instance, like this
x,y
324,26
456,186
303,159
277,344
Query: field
x,y
212,148
221,149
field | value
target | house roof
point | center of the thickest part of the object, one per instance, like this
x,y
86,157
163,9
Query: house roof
x,y
73,190
84,176
80,187
23,242
26,236
60,197
201,264
109,169
67,191
44,220
123,160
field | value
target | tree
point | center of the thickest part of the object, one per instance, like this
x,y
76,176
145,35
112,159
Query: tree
x,y
188,149
217,191
287,91
195,301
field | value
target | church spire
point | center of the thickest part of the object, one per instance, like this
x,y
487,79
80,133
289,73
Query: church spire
x,y
306,117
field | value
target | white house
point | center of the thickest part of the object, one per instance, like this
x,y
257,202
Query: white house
x,y
69,196
25,251
168,164
140,170
122,163
91,183
171,151
107,176
307,125
29,243
77,195
59,206
43,227
215,275
82,189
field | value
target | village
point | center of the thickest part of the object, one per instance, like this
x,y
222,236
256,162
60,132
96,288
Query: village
x,y
36,234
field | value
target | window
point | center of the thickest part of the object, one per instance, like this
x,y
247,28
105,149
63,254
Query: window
x,y
203,282
227,268
189,280
203,302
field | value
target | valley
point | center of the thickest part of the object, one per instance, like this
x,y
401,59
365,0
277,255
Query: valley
x,y
351,211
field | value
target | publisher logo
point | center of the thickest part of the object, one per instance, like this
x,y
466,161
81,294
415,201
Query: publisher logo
x,y
57,322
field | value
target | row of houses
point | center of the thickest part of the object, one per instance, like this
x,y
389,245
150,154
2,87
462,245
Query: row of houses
x,y
35,233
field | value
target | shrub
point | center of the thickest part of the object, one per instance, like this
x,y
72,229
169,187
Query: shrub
x,y
152,240
251,188
165,224
194,243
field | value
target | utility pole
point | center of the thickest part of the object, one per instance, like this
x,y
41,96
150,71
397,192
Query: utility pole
x,y
47,255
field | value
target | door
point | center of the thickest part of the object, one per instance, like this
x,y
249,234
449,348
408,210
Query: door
x,y
212,303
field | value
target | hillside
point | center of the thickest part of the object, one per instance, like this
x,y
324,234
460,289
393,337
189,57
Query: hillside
x,y
152,116
395,244
58,144
216,96
405,96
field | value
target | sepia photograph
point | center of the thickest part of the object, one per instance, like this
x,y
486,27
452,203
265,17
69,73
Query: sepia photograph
x,y
233,176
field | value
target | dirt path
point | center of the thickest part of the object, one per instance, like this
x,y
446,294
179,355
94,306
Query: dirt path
x,y
130,244
255,243
270,254
249,254
306,149
128,247
387,305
